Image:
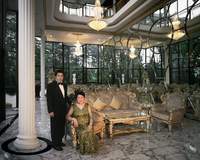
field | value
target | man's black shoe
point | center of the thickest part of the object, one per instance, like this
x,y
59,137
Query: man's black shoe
x,y
58,148
62,145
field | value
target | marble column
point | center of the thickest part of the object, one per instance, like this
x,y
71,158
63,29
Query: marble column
x,y
42,68
26,138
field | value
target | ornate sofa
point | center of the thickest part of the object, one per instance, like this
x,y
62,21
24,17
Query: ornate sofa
x,y
112,102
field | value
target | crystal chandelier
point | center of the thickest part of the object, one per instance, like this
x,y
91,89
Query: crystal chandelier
x,y
177,33
97,23
132,54
78,49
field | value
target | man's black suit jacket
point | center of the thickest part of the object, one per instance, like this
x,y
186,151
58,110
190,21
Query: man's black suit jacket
x,y
55,101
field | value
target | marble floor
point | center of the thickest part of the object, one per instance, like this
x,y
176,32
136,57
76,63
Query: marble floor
x,y
181,144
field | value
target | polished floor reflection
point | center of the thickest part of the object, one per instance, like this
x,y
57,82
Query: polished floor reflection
x,y
181,144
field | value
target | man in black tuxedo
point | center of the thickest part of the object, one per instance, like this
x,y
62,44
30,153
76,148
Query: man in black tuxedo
x,y
57,103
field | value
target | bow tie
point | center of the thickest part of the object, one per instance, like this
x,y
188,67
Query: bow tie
x,y
60,83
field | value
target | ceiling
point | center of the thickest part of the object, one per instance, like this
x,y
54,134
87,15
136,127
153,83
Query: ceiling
x,y
70,38
60,27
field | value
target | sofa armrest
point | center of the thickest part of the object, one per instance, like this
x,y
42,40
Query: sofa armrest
x,y
176,115
97,116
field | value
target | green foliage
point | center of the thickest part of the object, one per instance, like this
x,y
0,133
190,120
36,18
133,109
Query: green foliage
x,y
10,54
37,58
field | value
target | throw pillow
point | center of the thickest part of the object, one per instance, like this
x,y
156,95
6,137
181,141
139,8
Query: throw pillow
x,y
115,103
99,105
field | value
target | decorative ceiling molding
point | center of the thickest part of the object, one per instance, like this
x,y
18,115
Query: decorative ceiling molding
x,y
133,11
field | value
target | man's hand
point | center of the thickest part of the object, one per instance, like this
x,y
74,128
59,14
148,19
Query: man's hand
x,y
51,114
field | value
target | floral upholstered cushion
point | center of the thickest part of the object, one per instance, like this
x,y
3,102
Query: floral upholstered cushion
x,y
115,103
99,105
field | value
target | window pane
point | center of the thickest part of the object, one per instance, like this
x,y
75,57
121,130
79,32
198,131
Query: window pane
x,y
195,11
174,76
173,8
157,58
190,2
149,55
10,58
182,14
183,48
107,57
182,4
106,76
174,60
92,75
117,58
58,57
48,61
92,56
184,75
78,74
37,59
174,56
142,56
75,61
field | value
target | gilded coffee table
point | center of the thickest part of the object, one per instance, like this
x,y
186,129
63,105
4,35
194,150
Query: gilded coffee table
x,y
136,120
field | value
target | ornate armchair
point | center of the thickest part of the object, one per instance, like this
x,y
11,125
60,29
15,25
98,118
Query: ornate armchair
x,y
171,111
98,127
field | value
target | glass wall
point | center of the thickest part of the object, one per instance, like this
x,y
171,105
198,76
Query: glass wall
x,y
152,61
54,59
75,66
37,58
194,62
87,8
178,8
103,64
11,58
185,61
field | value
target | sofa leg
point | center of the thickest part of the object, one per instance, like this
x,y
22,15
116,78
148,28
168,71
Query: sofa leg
x,y
181,125
157,126
111,129
148,125
170,127
101,136
102,133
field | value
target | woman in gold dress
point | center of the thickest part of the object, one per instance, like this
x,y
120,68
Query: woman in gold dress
x,y
80,116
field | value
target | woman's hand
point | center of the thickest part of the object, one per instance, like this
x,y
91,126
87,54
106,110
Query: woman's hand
x,y
74,122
